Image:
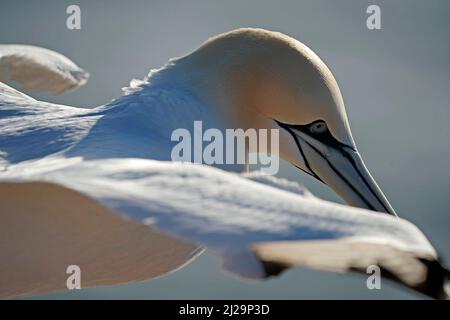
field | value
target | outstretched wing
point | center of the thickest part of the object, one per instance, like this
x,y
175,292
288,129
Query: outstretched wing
x,y
44,228
256,228
40,69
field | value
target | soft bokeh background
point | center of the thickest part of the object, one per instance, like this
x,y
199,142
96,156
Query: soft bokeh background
x,y
395,81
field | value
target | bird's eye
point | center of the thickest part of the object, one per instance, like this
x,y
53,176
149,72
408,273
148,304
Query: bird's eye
x,y
318,127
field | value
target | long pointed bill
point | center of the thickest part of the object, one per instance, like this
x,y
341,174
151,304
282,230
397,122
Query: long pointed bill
x,y
342,168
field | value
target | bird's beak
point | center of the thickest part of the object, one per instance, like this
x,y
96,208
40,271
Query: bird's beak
x,y
341,168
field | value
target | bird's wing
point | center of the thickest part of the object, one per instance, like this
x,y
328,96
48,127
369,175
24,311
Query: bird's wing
x,y
40,69
31,129
6,92
256,228
45,228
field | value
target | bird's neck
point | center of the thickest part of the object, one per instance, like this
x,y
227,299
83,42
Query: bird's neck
x,y
143,123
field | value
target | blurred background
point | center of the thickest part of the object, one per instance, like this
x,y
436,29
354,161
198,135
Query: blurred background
x,y
395,82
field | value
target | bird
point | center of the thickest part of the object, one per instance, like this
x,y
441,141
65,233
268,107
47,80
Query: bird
x,y
97,187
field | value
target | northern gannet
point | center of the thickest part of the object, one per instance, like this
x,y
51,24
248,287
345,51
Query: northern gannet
x,y
96,187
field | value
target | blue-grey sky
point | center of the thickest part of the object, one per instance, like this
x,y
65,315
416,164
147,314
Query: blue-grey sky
x,y
395,82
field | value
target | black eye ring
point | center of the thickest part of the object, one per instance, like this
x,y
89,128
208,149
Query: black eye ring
x,y
318,127
323,134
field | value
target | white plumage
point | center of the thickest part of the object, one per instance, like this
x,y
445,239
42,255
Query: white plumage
x,y
40,69
117,155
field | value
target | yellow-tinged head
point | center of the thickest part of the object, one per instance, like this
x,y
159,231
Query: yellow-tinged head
x,y
254,78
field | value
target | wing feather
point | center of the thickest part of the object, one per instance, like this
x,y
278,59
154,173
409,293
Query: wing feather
x,y
255,228
40,69
45,228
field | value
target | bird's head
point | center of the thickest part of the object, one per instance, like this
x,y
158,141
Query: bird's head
x,y
260,79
